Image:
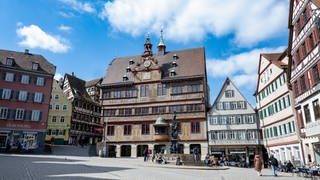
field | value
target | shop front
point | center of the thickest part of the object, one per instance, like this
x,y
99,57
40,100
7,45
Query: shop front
x,y
20,140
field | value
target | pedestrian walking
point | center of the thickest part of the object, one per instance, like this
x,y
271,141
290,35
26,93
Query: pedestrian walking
x,y
258,164
145,154
273,162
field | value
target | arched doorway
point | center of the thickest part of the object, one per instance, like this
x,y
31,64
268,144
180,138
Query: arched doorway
x,y
181,149
195,146
159,148
140,149
111,151
125,151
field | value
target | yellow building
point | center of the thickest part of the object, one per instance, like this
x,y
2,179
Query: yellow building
x,y
59,119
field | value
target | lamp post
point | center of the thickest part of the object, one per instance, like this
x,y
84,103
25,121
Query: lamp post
x,y
104,147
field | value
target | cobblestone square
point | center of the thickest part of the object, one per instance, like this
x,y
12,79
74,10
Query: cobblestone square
x,y
27,167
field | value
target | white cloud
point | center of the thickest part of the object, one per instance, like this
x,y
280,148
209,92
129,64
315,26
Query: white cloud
x,y
241,68
34,37
66,14
65,28
80,6
58,76
19,23
184,20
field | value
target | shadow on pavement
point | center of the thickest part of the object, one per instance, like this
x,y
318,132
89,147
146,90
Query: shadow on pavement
x,y
52,168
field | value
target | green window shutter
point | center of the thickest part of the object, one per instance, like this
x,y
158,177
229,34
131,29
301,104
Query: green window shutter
x,y
280,130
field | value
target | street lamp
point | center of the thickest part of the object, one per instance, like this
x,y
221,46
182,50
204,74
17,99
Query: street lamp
x,y
104,147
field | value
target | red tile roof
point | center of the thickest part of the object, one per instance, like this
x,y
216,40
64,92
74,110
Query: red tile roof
x,y
24,61
190,62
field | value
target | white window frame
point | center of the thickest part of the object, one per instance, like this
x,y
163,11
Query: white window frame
x,y
250,119
35,66
6,93
54,119
23,95
20,113
40,81
65,107
9,77
56,96
4,112
232,119
35,115
213,120
38,97
55,107
62,118
25,79
223,119
9,62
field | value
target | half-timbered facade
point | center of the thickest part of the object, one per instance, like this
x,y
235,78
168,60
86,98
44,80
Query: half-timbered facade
x,y
233,129
86,126
138,90
275,108
304,64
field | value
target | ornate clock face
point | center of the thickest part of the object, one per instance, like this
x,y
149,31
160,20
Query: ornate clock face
x,y
147,63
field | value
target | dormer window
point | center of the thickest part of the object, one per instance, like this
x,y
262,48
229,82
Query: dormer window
x,y
174,64
172,72
35,66
175,57
9,61
131,62
125,78
128,69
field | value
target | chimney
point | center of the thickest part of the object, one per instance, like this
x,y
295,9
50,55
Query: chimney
x,y
72,73
26,51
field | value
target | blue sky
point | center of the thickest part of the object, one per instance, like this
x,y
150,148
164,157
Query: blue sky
x,y
83,36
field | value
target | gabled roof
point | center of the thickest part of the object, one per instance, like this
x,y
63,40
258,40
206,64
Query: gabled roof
x,y
226,83
190,62
93,82
78,87
316,2
273,58
24,60
276,58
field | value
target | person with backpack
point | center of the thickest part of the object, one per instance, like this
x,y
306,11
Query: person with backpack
x,y
273,162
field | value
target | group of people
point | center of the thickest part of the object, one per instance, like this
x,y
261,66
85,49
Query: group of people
x,y
156,157
274,164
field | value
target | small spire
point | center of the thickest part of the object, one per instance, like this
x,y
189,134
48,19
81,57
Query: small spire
x,y
148,39
161,43
147,46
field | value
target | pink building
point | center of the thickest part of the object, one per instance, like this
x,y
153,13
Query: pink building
x,y
25,88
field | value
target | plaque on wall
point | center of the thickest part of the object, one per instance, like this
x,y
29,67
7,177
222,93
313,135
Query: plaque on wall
x,y
146,75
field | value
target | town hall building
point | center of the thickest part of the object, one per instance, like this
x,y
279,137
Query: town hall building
x,y
140,94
